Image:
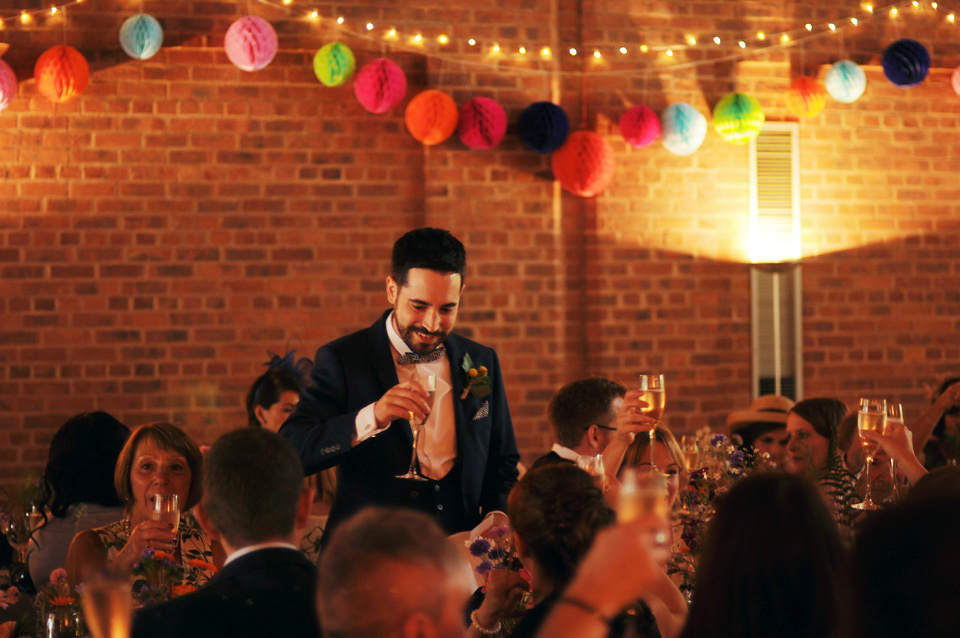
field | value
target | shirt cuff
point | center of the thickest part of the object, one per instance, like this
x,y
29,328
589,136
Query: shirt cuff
x,y
365,425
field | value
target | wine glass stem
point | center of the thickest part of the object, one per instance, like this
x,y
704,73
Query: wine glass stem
x,y
653,441
868,498
413,458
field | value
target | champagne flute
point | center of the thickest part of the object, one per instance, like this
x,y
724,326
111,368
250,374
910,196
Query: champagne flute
x,y
641,494
894,416
654,394
593,465
691,452
416,426
107,607
166,509
872,417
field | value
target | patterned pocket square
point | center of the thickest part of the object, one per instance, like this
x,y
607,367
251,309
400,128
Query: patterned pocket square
x,y
483,412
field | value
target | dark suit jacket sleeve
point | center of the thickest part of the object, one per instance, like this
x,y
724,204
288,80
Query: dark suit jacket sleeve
x,y
322,426
502,458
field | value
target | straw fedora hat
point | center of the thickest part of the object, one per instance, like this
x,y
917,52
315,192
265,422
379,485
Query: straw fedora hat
x,y
769,412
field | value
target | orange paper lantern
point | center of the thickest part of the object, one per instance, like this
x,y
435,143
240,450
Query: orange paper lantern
x,y
431,117
61,73
585,164
806,97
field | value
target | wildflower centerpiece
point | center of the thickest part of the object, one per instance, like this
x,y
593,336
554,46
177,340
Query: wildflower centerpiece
x,y
496,551
58,608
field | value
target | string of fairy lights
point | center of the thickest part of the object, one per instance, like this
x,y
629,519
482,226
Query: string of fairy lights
x,y
476,51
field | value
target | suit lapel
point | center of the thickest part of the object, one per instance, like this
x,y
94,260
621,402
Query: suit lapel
x,y
455,352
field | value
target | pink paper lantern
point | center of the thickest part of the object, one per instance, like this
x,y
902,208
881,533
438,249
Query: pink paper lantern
x,y
380,85
585,164
8,85
956,80
483,123
640,126
250,43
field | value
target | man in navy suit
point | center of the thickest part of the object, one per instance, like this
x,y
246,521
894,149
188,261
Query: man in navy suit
x,y
369,385
254,502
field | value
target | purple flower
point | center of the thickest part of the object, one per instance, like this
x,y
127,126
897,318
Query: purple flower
x,y
479,547
497,553
485,567
718,439
500,531
738,457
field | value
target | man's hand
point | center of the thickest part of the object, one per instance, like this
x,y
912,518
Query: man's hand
x,y
630,421
407,400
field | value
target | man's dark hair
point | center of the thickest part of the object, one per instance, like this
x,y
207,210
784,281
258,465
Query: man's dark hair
x,y
580,404
252,481
430,248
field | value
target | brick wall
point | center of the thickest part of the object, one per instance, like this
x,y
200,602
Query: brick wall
x,y
162,232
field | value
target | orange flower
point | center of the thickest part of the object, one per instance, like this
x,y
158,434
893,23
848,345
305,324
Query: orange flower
x,y
180,590
202,564
60,601
160,555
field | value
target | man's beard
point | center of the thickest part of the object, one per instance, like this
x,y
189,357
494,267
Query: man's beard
x,y
421,348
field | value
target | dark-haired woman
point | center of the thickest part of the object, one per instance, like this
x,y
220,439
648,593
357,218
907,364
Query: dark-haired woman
x,y
77,485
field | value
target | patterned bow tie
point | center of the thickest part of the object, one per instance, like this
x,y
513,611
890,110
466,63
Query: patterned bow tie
x,y
430,357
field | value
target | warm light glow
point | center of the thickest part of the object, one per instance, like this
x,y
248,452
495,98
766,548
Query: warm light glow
x,y
916,4
669,53
893,12
314,15
340,20
644,48
24,17
496,47
692,41
854,21
369,26
742,44
573,51
442,39
287,1
951,17
869,8
935,5
545,52
53,11
832,26
785,38
767,246
623,50
522,50
392,33
808,27
761,35
418,39
472,42
716,39
596,54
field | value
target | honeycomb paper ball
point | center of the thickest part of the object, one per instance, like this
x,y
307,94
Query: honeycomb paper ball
x,y
584,165
61,73
683,128
431,117
483,123
640,126
737,118
334,64
845,81
8,85
806,97
380,85
906,62
543,127
251,43
141,36
955,80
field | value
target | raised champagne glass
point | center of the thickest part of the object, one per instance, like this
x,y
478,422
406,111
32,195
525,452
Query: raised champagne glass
x,y
872,417
166,508
653,393
415,426
593,465
107,607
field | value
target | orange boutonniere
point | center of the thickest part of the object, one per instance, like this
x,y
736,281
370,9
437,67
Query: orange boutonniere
x,y
478,381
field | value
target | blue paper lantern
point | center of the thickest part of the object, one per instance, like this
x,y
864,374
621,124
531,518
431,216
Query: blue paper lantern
x,y
845,81
906,62
682,128
141,36
543,127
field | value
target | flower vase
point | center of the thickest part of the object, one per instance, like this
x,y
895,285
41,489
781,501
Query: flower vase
x,y
61,621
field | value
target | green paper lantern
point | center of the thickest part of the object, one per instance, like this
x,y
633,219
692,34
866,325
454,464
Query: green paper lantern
x,y
738,118
334,64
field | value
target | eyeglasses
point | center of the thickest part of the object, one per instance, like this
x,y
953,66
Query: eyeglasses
x,y
602,427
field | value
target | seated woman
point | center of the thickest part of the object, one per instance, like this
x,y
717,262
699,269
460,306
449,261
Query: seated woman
x,y
77,485
665,455
771,565
556,511
937,431
159,458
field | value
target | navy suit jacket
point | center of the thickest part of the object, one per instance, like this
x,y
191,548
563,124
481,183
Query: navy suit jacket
x,y
268,592
355,371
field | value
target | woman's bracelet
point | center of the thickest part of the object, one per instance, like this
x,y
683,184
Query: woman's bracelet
x,y
491,631
584,606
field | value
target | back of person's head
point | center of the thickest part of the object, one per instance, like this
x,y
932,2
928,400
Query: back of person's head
x,y
847,431
954,410
385,567
770,564
284,374
556,511
82,458
580,404
429,248
252,480
168,436
940,483
906,571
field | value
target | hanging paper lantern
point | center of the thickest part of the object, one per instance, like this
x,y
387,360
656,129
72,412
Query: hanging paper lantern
x,y
61,73
845,81
806,97
141,36
483,123
683,127
584,165
380,85
431,117
906,62
543,127
737,117
640,126
956,80
334,64
8,85
251,43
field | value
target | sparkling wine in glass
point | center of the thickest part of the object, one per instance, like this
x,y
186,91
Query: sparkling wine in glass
x,y
593,465
166,509
107,607
691,452
430,383
872,417
641,494
653,393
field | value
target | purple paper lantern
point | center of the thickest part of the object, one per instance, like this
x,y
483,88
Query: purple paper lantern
x,y
380,85
250,43
483,123
640,126
8,85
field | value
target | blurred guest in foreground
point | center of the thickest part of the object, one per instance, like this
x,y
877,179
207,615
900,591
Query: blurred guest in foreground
x,y
763,426
937,432
253,502
771,565
391,572
77,487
